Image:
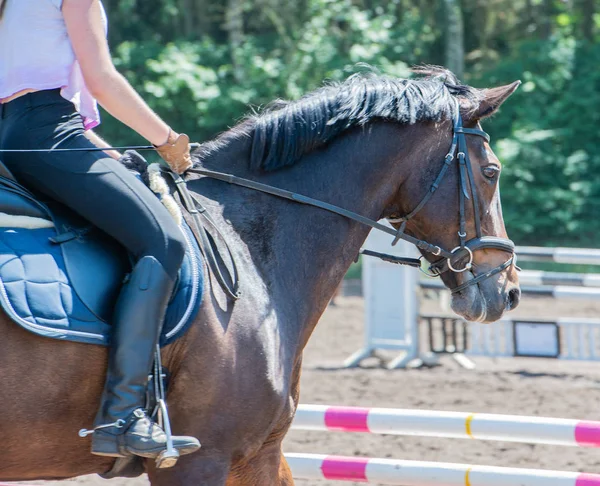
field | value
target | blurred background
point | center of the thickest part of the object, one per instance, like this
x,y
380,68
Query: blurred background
x,y
203,64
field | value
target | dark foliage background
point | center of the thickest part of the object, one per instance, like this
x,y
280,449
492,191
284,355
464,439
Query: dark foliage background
x,y
202,63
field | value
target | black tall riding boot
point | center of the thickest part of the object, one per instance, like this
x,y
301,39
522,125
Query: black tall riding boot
x,y
122,427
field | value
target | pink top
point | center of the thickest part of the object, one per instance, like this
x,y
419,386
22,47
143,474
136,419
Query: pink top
x,y
36,53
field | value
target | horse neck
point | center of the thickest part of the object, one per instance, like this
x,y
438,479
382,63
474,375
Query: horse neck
x,y
302,252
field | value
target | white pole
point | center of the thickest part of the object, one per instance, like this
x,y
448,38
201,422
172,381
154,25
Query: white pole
x,y
418,473
460,425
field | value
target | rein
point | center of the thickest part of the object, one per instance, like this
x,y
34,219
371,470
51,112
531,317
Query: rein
x,y
309,201
195,209
466,248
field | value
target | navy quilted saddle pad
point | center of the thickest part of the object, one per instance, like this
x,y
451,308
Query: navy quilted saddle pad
x,y
62,282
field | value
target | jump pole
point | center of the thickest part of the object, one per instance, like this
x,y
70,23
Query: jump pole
x,y
418,473
539,278
577,256
457,425
551,291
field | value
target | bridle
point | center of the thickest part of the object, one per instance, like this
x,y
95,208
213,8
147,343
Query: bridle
x,y
466,248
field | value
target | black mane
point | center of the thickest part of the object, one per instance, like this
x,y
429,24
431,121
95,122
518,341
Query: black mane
x,y
286,130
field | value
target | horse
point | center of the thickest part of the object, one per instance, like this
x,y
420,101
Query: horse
x,y
370,144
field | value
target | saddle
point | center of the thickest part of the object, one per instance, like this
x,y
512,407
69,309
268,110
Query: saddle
x,y
60,276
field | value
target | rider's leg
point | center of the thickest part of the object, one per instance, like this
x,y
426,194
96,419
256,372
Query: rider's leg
x,y
141,304
108,195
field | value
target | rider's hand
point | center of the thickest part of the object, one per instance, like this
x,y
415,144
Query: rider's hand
x,y
176,152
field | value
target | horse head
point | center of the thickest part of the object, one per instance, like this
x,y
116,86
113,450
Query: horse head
x,y
459,213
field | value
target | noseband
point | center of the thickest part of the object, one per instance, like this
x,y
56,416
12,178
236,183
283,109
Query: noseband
x,y
466,248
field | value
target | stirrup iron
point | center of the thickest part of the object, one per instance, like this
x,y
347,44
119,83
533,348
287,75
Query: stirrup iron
x,y
170,456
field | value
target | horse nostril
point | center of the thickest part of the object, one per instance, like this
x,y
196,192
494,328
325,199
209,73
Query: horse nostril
x,y
514,296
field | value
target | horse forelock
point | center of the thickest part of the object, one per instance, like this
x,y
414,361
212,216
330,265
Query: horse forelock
x,y
284,131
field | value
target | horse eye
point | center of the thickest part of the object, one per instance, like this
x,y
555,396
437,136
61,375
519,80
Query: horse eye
x,y
490,172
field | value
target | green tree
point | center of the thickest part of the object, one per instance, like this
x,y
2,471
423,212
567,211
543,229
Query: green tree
x,y
202,64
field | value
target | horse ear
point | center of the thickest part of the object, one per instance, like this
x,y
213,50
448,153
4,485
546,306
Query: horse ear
x,y
493,98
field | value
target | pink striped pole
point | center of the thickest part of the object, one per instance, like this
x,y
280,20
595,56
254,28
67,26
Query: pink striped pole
x,y
418,473
462,425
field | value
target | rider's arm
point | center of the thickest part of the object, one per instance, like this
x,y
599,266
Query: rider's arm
x,y
100,143
86,31
85,26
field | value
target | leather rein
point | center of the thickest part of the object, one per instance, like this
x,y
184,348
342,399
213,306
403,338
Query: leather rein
x,y
458,152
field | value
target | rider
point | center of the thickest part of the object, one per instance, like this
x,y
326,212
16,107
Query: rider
x,y
54,65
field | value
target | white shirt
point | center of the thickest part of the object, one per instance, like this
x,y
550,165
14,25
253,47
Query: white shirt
x,y
36,53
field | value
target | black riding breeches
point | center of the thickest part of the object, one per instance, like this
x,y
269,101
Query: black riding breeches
x,y
94,185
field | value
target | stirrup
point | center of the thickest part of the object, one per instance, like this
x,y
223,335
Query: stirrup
x,y
170,456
